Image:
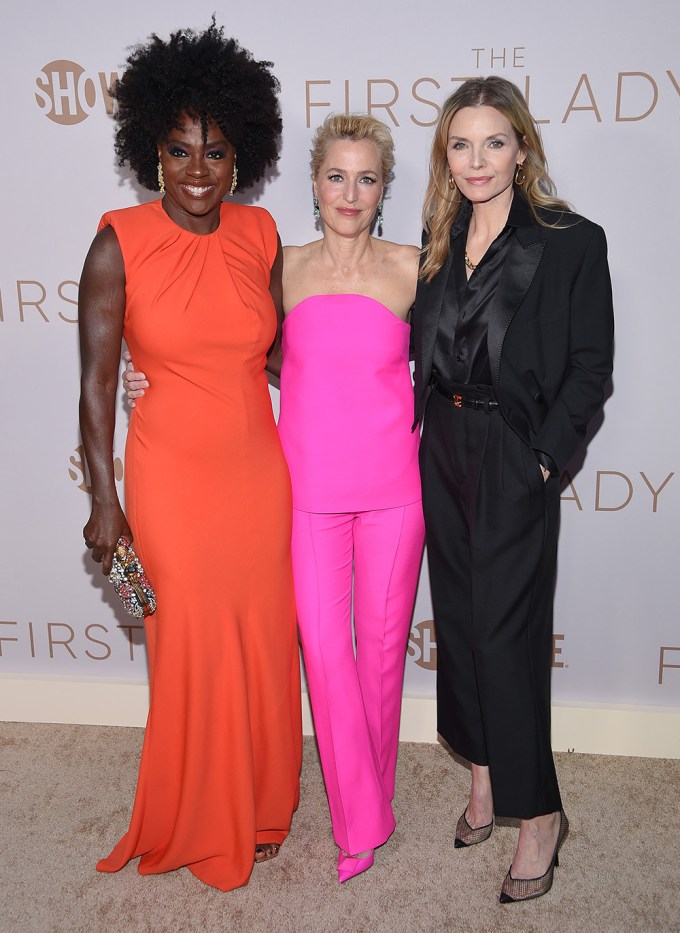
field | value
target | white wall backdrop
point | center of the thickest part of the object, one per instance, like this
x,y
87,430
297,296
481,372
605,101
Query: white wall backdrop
x,y
604,81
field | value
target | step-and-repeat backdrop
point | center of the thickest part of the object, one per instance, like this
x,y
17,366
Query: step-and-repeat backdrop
x,y
603,80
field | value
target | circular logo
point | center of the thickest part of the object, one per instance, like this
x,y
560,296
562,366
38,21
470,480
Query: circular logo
x,y
64,94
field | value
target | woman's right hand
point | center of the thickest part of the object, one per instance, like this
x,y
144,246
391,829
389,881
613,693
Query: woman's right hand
x,y
102,531
134,383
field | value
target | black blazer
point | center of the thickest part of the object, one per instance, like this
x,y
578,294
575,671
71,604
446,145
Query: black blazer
x,y
551,335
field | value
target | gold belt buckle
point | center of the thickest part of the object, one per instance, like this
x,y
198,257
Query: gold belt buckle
x,y
457,401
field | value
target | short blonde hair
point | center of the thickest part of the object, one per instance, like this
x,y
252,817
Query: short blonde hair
x,y
354,127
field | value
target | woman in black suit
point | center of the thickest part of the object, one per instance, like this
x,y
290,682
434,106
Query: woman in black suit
x,y
513,331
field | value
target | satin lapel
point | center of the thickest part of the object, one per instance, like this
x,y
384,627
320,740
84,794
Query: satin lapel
x,y
432,298
518,273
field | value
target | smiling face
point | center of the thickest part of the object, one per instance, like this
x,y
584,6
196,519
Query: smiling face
x,y
483,153
349,186
197,174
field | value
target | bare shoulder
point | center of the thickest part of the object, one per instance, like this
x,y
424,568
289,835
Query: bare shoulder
x,y
105,255
304,250
101,293
106,241
398,263
396,276
403,249
300,272
403,255
294,257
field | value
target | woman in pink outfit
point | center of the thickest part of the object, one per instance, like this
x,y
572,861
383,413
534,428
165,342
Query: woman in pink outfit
x,y
345,426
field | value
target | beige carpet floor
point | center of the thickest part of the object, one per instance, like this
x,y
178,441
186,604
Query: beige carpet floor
x,y
66,797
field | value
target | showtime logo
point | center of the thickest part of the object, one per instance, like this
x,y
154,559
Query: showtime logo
x,y
422,647
68,95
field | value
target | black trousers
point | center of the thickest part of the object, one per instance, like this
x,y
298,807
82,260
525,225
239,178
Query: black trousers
x,y
492,525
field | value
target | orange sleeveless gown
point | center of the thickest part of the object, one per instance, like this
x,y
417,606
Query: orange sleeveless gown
x,y
208,499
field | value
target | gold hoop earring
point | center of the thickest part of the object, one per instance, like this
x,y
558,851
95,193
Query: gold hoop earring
x,y
520,175
234,179
452,184
161,180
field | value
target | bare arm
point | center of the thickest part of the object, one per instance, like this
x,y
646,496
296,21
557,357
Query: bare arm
x,y
276,291
274,361
101,308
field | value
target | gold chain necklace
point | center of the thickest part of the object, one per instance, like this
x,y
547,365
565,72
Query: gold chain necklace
x,y
471,266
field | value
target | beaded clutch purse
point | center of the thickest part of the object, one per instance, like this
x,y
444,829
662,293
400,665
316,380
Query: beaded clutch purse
x,y
130,582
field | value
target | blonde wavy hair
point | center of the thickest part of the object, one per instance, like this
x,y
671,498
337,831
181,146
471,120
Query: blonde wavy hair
x,y
354,127
442,205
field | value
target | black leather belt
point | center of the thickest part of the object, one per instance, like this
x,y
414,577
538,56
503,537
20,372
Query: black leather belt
x,y
459,401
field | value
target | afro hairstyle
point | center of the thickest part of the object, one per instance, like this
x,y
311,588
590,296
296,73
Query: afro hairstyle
x,y
208,77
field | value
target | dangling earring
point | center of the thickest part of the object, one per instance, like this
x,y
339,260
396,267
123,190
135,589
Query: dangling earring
x,y
452,184
317,212
380,218
520,176
234,179
161,180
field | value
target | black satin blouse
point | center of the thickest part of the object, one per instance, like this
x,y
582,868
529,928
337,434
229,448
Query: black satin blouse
x,y
461,356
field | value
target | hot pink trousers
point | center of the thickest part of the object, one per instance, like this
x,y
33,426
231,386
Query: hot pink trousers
x,y
356,693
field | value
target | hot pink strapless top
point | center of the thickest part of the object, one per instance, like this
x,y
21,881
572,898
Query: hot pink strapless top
x,y
347,406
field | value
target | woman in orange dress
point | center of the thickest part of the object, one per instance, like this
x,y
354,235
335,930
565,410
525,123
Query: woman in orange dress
x,y
193,285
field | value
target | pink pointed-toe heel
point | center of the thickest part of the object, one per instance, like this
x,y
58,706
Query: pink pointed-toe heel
x,y
350,866
525,889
